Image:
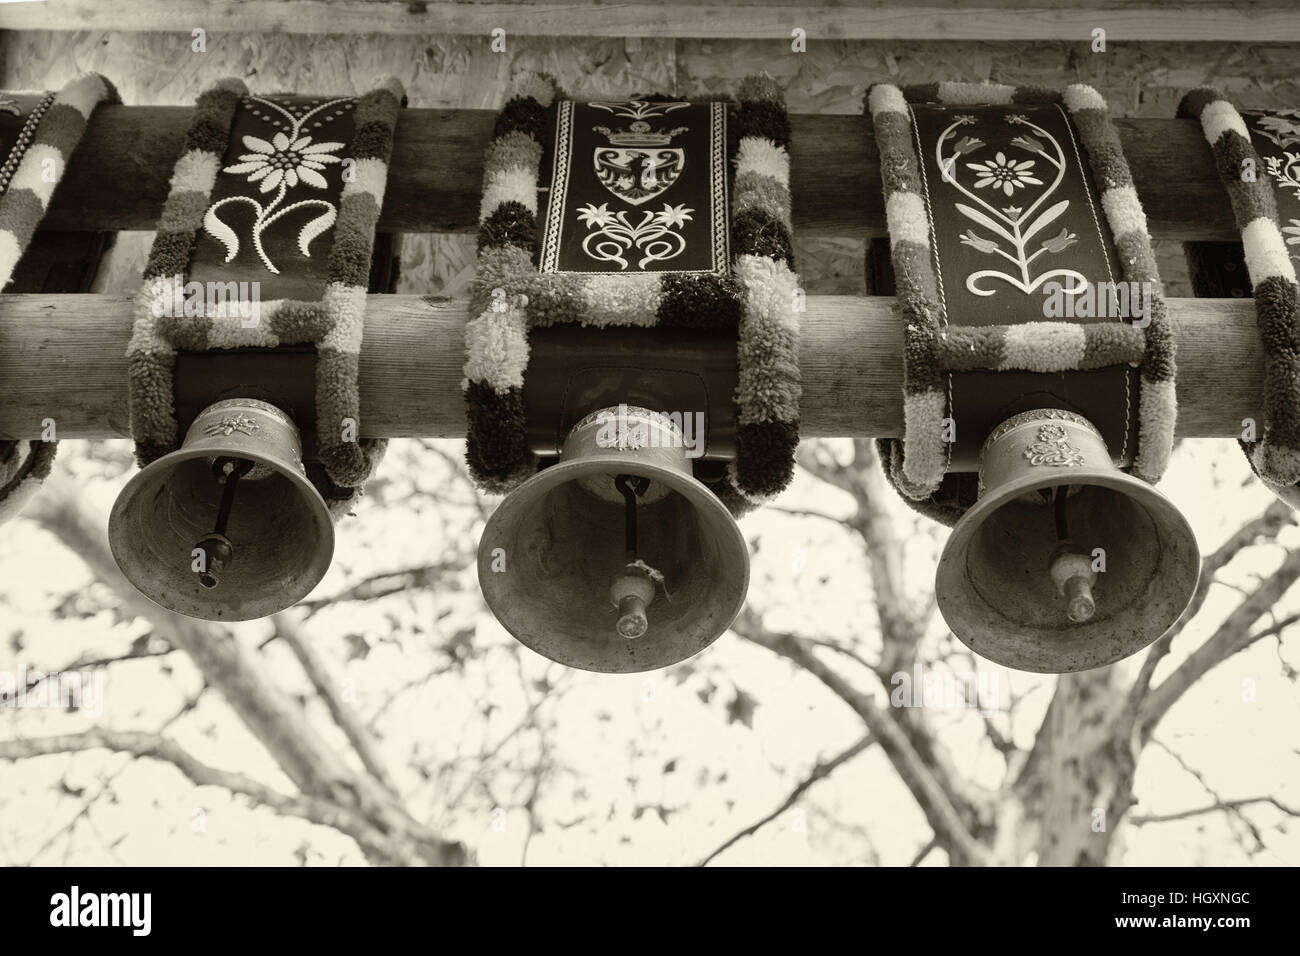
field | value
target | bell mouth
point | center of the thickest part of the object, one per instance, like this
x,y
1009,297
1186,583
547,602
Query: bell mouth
x,y
562,546
995,584
279,529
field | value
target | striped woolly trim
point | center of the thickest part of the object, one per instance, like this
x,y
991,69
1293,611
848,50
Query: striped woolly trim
x,y
335,324
933,350
509,297
24,465
1275,457
23,204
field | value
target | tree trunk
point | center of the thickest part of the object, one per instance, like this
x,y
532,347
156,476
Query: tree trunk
x,y
1077,784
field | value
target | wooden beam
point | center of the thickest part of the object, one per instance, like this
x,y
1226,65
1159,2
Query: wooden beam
x,y
435,178
1023,20
63,357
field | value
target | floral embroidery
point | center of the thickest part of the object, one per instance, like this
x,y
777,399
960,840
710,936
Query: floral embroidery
x,y
1005,174
282,160
1012,226
287,161
615,234
640,109
1281,128
1286,173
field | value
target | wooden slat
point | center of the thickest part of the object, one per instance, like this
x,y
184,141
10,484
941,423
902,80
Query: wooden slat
x,y
62,357
436,174
1023,20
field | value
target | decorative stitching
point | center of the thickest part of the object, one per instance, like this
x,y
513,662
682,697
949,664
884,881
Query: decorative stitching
x,y
919,475
510,295
335,324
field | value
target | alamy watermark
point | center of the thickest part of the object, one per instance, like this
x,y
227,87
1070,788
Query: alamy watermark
x,y
978,690
217,300
1099,300
632,428
66,690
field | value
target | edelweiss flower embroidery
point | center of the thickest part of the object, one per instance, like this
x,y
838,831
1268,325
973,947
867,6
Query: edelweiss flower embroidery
x,y
287,161
616,234
675,216
1015,232
283,161
593,215
1294,230
1005,174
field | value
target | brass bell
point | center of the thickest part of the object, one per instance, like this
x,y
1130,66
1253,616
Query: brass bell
x,y
615,559
228,527
1064,563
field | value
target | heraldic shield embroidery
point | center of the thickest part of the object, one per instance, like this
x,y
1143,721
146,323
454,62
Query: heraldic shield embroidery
x,y
638,186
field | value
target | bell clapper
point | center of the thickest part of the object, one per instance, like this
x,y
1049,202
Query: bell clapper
x,y
1071,570
633,589
217,549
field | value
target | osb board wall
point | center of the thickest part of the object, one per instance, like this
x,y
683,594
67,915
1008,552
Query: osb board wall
x,y
1139,79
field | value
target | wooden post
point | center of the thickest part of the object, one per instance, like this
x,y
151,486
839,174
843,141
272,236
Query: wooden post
x,y
1265,21
63,357
436,176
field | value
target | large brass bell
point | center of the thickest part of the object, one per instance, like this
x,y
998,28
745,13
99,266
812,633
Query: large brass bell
x,y
616,559
228,527
1064,563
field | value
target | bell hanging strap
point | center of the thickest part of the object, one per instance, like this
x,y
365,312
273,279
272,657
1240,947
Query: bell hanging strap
x,y
1024,269
266,240
38,133
1255,154
661,213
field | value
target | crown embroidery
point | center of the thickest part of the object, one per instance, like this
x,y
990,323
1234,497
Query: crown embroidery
x,y
639,134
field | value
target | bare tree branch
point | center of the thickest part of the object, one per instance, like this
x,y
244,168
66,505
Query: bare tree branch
x,y
323,812
1232,636
821,771
922,853
902,620
385,583
1140,819
327,689
935,802
281,726
1266,525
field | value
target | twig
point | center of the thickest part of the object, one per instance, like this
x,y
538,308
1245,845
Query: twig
x,y
326,688
820,772
1226,805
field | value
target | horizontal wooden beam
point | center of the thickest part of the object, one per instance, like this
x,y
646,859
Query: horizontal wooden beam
x,y
1023,20
436,174
63,357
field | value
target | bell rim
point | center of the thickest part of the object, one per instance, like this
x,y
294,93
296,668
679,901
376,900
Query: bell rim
x,y
131,490
950,573
566,471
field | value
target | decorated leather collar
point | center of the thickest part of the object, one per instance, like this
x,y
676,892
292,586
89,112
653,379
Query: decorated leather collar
x,y
659,213
280,194
1026,276
38,133
1257,158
